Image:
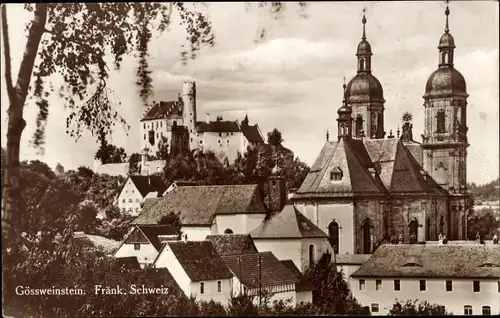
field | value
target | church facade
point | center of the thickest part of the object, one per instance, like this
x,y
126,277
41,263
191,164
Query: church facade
x,y
369,187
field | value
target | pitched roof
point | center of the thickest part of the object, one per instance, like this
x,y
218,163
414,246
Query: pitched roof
x,y
147,184
113,169
163,110
218,126
303,284
289,223
232,244
199,259
351,157
160,276
273,272
463,261
149,202
152,233
351,259
252,133
198,205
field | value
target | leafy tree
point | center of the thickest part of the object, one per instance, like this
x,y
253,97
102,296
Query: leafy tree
x,y
274,138
173,221
59,169
39,167
483,223
112,212
108,153
411,308
133,163
163,149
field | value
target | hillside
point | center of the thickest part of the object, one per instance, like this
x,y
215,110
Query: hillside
x,y
486,192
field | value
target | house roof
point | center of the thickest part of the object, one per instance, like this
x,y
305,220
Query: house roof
x,y
289,223
461,261
147,184
198,205
232,244
351,259
160,276
199,259
149,202
152,233
163,110
273,272
350,157
303,284
252,133
218,126
88,241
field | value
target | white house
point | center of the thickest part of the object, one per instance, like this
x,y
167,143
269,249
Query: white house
x,y
349,263
205,210
463,278
290,235
144,242
135,191
262,274
304,287
198,270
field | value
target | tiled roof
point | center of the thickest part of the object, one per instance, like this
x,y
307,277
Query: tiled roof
x,y
149,202
289,223
113,169
160,276
232,244
218,126
147,184
252,133
471,261
152,233
303,284
353,160
200,260
197,205
273,272
163,110
351,259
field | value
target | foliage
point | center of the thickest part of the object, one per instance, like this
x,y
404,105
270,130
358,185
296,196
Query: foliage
x,y
115,228
173,221
274,138
108,153
483,223
133,163
486,192
163,150
59,169
411,308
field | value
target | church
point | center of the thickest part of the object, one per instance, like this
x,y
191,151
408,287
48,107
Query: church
x,y
368,187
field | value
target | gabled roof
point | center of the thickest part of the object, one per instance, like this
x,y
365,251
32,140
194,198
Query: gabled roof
x,y
460,261
351,259
353,160
303,284
152,233
199,259
152,277
252,133
289,223
218,126
163,110
149,202
147,184
273,272
198,205
232,244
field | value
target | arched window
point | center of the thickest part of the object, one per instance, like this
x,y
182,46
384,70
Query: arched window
x,y
468,310
311,255
228,231
444,58
333,234
414,229
367,236
336,174
359,125
486,311
361,64
440,121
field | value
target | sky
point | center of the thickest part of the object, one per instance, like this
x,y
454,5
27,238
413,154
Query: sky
x,y
293,79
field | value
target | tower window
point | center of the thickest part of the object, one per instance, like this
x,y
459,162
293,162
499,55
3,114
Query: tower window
x,y
440,123
359,125
336,174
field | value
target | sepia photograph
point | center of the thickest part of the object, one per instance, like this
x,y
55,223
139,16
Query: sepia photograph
x,y
165,159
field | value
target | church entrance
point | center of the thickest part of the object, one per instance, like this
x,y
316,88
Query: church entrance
x,y
367,236
413,231
333,234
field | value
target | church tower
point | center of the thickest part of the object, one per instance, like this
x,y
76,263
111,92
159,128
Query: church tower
x,y
444,141
445,132
344,121
189,110
364,94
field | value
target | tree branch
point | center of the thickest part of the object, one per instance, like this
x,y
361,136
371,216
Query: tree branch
x,y
6,44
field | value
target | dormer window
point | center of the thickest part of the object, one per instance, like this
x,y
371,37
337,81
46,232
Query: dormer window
x,y
489,265
336,174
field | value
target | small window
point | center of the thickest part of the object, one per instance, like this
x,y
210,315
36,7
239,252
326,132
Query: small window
x,y
123,201
336,174
137,200
441,121
361,284
374,307
161,124
201,142
144,136
449,285
129,200
228,141
220,134
137,246
486,311
397,284
423,286
228,231
191,139
202,288
378,284
476,286
498,283
219,286
468,310
219,141
231,134
144,125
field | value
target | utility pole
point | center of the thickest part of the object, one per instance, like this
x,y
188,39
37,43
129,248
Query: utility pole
x,y
260,281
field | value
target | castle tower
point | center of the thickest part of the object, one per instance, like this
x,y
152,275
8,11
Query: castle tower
x,y
444,141
344,120
365,95
189,111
